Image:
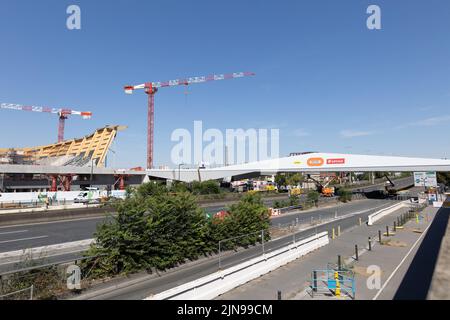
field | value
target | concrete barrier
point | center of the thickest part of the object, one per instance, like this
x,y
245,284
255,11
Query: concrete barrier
x,y
45,251
384,212
50,208
220,282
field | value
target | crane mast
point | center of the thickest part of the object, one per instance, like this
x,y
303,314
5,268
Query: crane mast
x,y
151,88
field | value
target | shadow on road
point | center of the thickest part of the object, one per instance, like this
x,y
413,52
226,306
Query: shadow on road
x,y
417,281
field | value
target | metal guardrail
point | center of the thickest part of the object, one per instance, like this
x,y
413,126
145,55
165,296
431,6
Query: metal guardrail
x,y
17,293
334,282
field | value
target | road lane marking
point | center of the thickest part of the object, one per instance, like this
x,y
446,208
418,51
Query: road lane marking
x,y
401,262
13,232
53,222
24,239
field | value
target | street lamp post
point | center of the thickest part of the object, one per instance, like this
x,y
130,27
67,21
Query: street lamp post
x,y
92,170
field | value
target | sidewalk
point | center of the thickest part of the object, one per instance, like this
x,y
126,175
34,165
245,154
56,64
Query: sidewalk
x,y
293,279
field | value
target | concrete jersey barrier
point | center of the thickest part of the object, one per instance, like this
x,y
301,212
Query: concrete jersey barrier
x,y
220,282
384,212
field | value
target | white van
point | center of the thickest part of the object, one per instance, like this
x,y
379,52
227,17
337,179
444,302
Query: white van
x,y
91,195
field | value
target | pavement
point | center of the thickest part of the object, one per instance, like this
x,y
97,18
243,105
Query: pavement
x,y
395,260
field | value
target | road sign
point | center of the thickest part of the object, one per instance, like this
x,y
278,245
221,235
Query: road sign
x,y
425,179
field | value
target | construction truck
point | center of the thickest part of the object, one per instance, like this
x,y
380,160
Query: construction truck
x,y
328,191
295,192
324,189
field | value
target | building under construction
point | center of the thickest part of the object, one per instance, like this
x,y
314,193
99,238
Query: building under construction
x,y
87,152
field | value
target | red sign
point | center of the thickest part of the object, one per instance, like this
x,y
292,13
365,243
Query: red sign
x,y
336,161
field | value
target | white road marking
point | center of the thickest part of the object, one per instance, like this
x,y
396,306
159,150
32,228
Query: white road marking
x,y
24,239
12,232
401,262
53,222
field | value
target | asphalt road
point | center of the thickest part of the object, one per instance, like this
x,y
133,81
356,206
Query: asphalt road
x,y
31,235
151,284
48,233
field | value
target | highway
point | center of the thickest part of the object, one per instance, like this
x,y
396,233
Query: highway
x,y
25,236
141,286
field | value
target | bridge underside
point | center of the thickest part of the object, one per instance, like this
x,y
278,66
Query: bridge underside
x,y
317,162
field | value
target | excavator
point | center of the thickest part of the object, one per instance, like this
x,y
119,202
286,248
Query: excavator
x,y
390,186
324,189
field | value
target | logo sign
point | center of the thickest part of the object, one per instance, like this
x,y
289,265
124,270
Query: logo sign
x,y
316,162
336,161
298,162
74,279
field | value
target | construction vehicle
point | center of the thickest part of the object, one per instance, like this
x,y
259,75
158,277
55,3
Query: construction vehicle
x,y
328,191
324,189
295,192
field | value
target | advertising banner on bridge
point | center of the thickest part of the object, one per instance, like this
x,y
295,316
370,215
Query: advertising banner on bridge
x,y
425,179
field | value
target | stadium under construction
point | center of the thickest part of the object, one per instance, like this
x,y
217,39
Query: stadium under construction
x,y
68,165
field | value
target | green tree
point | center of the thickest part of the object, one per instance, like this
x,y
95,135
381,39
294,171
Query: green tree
x,y
294,179
205,187
344,195
313,196
247,218
157,230
280,180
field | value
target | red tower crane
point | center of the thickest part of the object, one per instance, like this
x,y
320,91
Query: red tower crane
x,y
62,113
152,87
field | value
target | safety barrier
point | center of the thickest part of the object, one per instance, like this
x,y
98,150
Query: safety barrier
x,y
339,283
384,212
220,282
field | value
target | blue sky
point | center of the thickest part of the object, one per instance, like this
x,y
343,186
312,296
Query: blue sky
x,y
326,81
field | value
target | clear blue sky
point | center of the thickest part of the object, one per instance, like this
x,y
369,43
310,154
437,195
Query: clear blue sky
x,y
326,81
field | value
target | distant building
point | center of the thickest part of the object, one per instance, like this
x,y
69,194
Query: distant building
x,y
293,154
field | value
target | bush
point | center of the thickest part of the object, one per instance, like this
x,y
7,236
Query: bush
x,y
156,229
313,196
205,187
344,195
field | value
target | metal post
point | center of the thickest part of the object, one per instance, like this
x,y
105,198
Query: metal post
x,y
395,226
379,236
360,221
220,262
370,244
315,281
387,231
262,237
356,252
339,231
279,295
339,263
31,292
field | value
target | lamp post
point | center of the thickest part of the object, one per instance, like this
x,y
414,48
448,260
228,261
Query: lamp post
x,y
92,170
